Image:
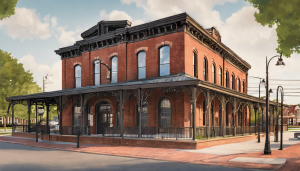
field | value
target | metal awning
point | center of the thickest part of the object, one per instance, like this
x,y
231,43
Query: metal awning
x,y
164,81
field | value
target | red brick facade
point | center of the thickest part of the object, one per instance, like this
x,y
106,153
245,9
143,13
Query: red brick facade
x,y
182,48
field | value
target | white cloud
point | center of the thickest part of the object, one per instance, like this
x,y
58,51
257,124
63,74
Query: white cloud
x,y
119,15
54,21
26,24
67,38
200,10
40,70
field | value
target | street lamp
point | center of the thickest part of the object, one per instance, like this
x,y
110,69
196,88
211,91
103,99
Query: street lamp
x,y
47,80
281,131
267,149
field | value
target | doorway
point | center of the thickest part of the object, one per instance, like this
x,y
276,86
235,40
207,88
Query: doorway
x,y
104,116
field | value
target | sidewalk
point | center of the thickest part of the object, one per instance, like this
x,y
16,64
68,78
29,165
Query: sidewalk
x,y
217,155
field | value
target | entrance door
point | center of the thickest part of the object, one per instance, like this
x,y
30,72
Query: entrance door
x,y
104,118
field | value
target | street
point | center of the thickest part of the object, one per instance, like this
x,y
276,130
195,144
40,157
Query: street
x,y
19,157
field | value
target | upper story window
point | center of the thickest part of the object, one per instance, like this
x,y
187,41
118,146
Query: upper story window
x,y
238,85
205,69
97,72
77,76
220,76
164,61
195,65
213,74
232,81
114,69
141,65
227,79
243,87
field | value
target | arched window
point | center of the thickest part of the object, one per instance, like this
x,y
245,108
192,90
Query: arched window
x,y
232,82
97,72
213,73
238,85
114,69
165,113
220,76
141,65
243,87
77,76
205,69
164,61
77,115
195,65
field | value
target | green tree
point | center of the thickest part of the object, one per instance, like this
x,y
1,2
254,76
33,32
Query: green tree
x,y
14,81
7,8
285,15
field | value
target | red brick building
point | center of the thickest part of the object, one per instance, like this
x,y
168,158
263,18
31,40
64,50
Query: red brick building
x,y
170,74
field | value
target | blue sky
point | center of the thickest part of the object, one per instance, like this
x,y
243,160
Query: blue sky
x,y
41,26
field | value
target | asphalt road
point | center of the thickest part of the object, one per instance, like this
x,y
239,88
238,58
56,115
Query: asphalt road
x,y
19,157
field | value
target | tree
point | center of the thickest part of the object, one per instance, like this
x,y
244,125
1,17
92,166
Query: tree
x,y
14,81
285,15
7,8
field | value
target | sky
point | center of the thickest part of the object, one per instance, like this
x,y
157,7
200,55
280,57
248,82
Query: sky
x,y
41,26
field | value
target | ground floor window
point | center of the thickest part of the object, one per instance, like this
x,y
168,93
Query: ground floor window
x,y
165,113
144,115
77,115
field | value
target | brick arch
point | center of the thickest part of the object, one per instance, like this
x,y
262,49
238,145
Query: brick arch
x,y
141,49
164,43
113,55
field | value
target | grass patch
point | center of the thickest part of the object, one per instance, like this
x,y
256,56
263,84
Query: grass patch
x,y
6,128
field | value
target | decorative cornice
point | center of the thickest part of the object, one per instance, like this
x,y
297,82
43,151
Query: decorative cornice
x,y
177,23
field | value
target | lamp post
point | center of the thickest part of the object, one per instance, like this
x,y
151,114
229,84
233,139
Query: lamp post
x,y
262,83
281,131
267,149
47,80
40,111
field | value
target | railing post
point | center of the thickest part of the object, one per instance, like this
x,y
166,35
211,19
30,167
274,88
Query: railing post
x,y
78,133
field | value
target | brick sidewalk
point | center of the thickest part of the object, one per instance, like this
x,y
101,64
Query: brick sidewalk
x,y
290,153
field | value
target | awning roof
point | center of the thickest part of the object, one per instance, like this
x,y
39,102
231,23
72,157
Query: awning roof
x,y
164,81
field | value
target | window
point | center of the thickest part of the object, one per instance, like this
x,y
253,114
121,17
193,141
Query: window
x,y
213,74
238,85
243,87
232,81
195,65
164,61
77,76
141,65
114,69
97,72
144,115
165,113
77,115
220,76
205,69
227,80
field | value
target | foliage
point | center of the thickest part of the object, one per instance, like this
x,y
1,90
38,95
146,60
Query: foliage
x,y
7,8
285,15
14,81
